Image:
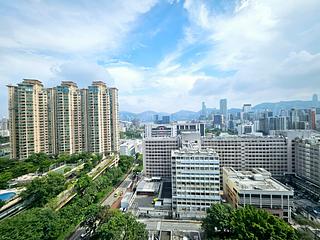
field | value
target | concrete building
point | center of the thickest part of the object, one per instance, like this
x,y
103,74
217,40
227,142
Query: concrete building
x,y
160,130
127,149
191,127
195,182
307,163
157,156
259,189
28,114
68,118
247,152
99,132
224,110
114,119
63,119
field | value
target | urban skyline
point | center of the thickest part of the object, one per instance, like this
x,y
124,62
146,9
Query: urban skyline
x,y
160,119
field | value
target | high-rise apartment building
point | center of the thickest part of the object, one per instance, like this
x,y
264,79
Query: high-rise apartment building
x,y
114,120
63,119
99,132
28,114
68,118
195,182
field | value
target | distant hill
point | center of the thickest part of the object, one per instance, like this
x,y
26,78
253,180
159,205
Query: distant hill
x,y
182,115
286,105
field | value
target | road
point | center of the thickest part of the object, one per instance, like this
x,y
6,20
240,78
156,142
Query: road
x,y
122,188
77,234
171,225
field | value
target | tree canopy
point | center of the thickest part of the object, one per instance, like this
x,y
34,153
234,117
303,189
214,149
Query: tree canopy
x,y
119,226
41,190
248,223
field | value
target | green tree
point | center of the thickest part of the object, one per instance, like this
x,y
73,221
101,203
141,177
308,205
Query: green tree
x,y
245,223
217,222
83,182
120,226
41,190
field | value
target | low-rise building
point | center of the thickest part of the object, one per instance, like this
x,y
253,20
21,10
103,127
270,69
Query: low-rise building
x,y
127,149
259,189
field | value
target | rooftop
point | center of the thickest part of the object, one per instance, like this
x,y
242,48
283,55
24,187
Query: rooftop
x,y
257,179
148,187
194,151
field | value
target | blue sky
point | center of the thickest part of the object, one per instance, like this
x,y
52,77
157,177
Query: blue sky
x,y
166,55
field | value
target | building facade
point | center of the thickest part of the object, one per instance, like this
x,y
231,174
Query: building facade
x,y
195,182
63,119
258,189
247,152
157,156
307,163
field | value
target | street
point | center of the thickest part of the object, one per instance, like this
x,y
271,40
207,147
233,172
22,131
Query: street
x,y
122,188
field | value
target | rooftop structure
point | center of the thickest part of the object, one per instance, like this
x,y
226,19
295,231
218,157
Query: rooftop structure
x,y
259,189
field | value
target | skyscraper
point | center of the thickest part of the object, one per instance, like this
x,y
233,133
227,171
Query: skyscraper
x,y
315,98
63,119
114,120
203,111
99,133
68,118
224,109
28,118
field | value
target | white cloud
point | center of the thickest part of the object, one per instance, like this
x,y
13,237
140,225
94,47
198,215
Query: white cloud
x,y
269,45
54,41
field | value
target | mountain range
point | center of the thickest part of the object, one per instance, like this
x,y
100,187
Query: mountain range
x,y
148,116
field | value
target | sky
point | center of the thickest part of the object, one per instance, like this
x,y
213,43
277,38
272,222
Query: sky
x,y
165,55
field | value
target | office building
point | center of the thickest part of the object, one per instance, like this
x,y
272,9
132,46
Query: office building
x,y
307,163
63,119
160,130
224,110
204,111
257,188
191,127
315,98
157,156
195,182
247,152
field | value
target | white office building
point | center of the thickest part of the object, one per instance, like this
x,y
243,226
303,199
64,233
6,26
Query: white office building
x,y
195,182
259,189
247,152
157,156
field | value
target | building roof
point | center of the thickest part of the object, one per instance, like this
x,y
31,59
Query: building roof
x,y
258,179
148,187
